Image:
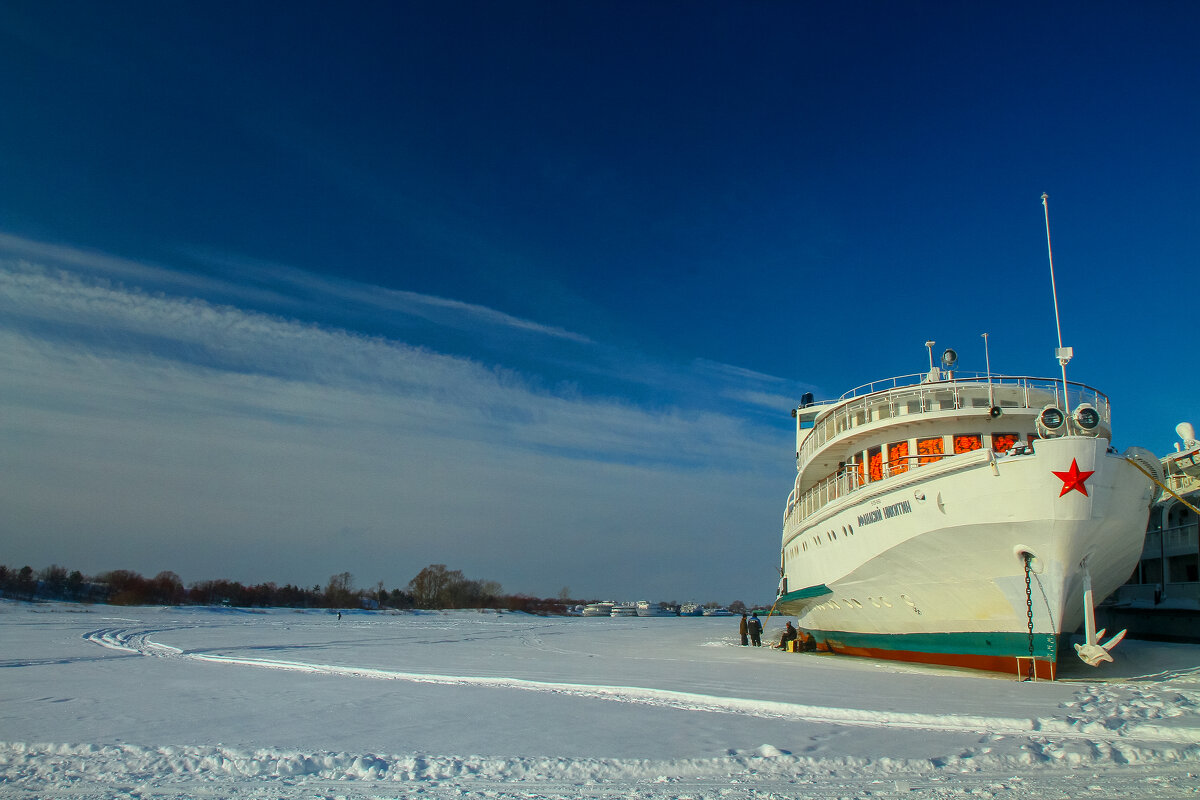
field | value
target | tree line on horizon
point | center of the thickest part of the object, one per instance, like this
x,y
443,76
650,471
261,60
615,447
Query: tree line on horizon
x,y
434,587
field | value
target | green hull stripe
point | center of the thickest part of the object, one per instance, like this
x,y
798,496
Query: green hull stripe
x,y
990,643
803,594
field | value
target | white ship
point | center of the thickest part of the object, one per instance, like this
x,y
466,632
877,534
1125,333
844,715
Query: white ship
x,y
647,609
598,609
966,520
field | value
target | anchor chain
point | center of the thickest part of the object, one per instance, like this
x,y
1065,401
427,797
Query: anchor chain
x,y
1029,615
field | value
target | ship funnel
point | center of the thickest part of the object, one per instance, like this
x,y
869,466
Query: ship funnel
x,y
806,399
1187,433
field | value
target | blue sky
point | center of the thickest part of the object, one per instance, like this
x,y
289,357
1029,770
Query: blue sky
x,y
529,289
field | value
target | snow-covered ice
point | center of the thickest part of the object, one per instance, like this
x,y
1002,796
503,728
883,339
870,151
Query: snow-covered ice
x,y
107,702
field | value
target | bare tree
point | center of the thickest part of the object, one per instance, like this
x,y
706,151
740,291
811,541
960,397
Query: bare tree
x,y
340,591
430,588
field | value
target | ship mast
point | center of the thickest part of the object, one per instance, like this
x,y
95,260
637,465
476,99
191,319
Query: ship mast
x,y
1063,354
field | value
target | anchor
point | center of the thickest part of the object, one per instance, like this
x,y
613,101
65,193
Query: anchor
x,y
1093,651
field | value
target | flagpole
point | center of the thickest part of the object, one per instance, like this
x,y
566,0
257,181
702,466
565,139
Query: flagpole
x,y
1063,354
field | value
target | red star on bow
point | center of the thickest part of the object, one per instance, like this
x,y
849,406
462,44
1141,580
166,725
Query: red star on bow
x,y
1073,479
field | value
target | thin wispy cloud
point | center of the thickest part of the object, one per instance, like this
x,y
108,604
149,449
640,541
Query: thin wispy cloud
x,y
237,425
438,310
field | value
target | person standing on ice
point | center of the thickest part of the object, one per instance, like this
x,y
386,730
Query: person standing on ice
x,y
754,627
743,630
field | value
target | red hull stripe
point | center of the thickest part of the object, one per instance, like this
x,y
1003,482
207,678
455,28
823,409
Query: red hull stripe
x,y
987,663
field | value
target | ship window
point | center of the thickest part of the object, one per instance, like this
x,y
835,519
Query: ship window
x,y
930,449
898,457
875,463
966,442
1003,442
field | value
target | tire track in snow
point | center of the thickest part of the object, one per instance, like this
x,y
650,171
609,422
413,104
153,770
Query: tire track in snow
x,y
138,641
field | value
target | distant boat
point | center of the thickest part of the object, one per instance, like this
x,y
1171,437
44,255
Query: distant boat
x,y
691,610
598,609
648,609
717,612
624,610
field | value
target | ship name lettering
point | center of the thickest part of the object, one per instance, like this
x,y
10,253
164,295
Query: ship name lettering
x,y
869,517
887,512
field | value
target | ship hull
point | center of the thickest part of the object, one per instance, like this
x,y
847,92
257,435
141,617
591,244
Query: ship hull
x,y
930,566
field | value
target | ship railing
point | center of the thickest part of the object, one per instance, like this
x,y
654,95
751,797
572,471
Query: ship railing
x,y
849,481
910,395
1180,483
1176,540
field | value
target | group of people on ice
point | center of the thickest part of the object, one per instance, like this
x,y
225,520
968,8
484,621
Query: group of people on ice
x,y
751,630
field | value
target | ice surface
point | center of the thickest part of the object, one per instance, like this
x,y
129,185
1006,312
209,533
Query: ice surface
x,y
106,702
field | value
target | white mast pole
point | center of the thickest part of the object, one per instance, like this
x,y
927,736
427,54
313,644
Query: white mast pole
x,y
987,359
1063,353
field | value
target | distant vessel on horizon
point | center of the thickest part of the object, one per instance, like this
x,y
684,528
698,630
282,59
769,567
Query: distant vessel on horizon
x,y
647,609
598,609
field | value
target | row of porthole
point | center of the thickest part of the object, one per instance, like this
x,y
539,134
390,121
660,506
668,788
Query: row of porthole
x,y
878,602
847,530
831,536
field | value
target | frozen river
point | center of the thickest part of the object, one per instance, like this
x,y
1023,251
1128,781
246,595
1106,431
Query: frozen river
x,y
107,702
